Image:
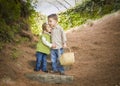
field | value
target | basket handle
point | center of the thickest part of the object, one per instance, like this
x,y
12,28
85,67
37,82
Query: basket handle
x,y
68,49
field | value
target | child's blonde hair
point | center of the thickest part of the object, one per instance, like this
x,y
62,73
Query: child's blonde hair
x,y
44,26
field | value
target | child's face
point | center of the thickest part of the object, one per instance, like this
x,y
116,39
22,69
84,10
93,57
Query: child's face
x,y
52,22
48,29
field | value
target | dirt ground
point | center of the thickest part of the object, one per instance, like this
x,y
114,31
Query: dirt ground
x,y
97,55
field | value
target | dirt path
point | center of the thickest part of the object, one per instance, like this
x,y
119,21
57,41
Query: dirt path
x,y
97,54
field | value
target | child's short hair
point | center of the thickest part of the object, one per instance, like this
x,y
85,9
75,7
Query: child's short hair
x,y
44,25
54,16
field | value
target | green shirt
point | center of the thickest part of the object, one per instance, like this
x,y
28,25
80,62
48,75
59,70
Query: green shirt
x,y
41,47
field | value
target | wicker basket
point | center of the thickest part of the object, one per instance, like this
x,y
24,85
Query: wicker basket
x,y
67,58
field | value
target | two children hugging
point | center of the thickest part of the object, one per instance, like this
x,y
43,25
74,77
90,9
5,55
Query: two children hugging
x,y
52,44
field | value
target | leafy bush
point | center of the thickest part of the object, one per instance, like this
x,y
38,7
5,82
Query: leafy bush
x,y
89,9
9,10
13,18
35,21
15,53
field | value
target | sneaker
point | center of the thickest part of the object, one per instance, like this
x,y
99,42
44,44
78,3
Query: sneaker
x,y
54,71
62,73
46,71
36,70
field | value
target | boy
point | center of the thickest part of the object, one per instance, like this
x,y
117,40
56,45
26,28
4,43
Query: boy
x,y
43,48
59,39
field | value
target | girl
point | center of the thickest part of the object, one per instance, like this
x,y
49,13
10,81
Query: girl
x,y
43,48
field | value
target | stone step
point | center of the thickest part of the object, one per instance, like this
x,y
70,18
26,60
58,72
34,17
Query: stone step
x,y
50,78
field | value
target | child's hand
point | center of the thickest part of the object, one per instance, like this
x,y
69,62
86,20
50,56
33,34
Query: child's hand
x,y
53,46
64,45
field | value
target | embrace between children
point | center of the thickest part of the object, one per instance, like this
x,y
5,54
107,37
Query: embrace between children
x,y
52,41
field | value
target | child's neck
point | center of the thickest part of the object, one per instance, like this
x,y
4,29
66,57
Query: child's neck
x,y
55,25
45,32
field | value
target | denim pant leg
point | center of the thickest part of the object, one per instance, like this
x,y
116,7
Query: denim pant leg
x,y
44,62
59,66
54,59
38,60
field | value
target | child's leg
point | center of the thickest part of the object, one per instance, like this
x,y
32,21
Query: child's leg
x,y
54,59
44,62
38,61
59,66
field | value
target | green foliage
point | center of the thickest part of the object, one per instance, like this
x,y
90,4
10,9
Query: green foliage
x,y
14,16
15,53
23,39
6,32
36,20
1,45
88,9
9,10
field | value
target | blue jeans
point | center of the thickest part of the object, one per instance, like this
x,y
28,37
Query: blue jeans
x,y
55,54
41,61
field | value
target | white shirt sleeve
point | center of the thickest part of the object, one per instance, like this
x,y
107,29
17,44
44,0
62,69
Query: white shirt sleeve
x,y
46,42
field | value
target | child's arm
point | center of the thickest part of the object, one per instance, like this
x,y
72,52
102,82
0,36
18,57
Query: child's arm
x,y
47,43
64,39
